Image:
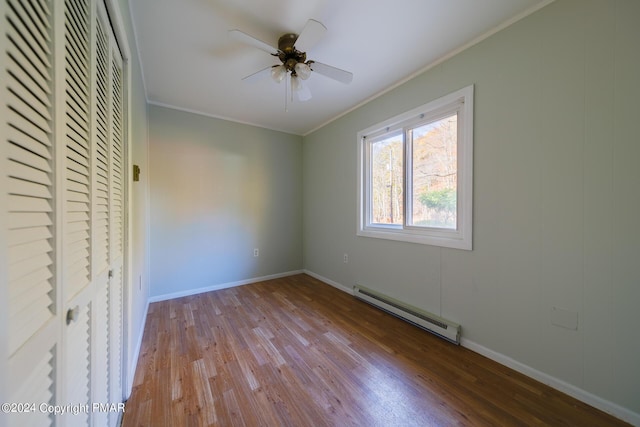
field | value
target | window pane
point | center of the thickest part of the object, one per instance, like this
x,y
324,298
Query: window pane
x,y
434,174
387,181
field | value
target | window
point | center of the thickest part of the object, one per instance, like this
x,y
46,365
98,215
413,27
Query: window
x,y
416,172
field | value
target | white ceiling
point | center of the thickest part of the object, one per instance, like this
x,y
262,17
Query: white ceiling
x,y
190,63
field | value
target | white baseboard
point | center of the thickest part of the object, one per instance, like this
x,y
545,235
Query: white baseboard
x,y
196,291
131,372
329,282
553,382
573,391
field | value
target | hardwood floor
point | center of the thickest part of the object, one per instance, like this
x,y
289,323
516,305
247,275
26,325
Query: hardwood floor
x,y
297,352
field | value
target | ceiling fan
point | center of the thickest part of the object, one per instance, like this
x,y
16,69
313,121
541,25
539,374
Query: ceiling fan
x,y
292,53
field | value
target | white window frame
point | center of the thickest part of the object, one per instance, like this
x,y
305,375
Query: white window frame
x,y
461,102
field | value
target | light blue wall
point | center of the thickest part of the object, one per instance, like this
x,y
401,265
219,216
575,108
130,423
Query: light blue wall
x,y
218,190
556,198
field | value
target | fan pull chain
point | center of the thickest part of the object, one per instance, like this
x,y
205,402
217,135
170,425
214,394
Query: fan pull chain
x,y
286,94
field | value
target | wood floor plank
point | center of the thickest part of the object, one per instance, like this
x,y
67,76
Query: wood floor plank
x,y
297,352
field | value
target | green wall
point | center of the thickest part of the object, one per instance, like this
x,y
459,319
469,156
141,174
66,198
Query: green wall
x,y
218,190
556,200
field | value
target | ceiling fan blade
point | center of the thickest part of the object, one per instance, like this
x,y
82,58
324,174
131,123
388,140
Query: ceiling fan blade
x,y
258,75
245,38
331,72
311,34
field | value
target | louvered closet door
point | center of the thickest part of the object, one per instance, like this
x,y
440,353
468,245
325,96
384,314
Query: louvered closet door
x,y
79,295
116,225
32,307
101,216
62,124
109,211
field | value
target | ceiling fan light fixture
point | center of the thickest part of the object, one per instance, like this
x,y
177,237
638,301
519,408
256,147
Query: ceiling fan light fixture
x,y
278,73
302,70
300,89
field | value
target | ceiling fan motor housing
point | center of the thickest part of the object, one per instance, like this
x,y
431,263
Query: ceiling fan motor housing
x,y
288,55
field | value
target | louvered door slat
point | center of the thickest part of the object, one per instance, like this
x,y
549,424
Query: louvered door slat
x,y
31,320
81,151
77,163
20,269
102,184
77,9
102,191
19,186
28,166
77,139
23,302
41,372
28,173
75,89
76,120
28,219
78,234
75,196
78,246
23,36
45,7
78,187
38,114
102,168
29,32
75,176
24,251
34,278
30,93
19,237
76,70
35,386
76,14
29,15
79,168
26,141
29,204
75,207
41,10
20,155
78,216
36,85
32,131
75,50
22,65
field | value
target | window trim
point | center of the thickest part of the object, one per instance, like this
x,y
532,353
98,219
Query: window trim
x,y
459,238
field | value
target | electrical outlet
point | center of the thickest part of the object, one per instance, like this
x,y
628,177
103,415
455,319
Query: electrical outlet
x,y
346,258
256,252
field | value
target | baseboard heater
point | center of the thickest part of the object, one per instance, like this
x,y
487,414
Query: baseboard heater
x,y
423,319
